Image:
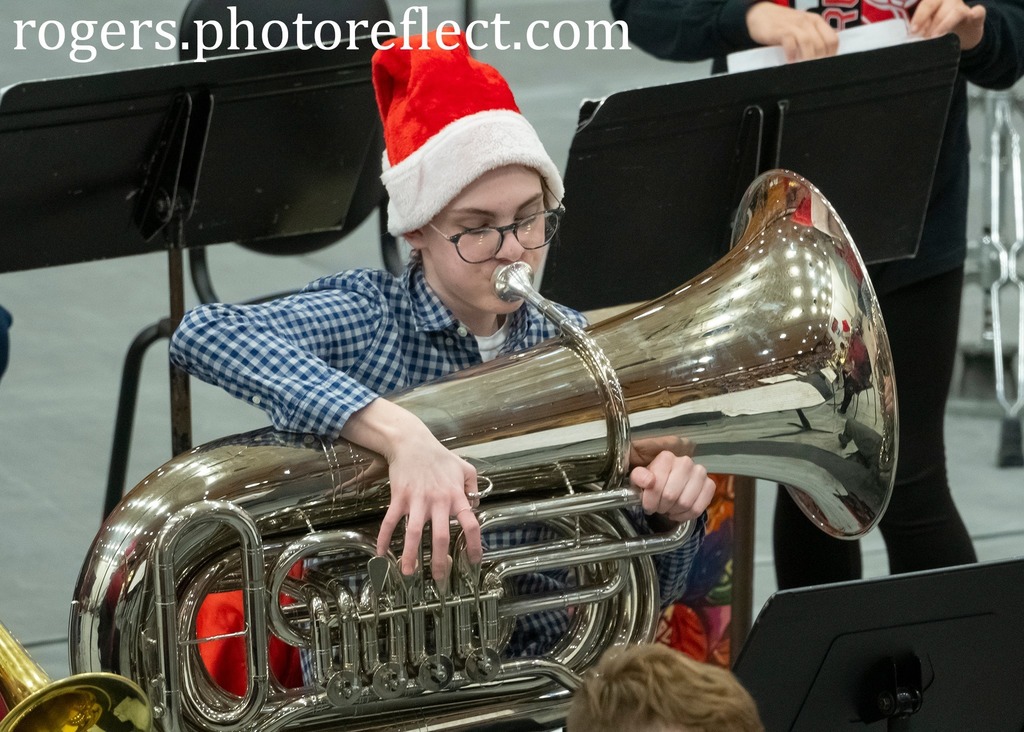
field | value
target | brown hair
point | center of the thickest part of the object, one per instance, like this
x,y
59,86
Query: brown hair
x,y
655,688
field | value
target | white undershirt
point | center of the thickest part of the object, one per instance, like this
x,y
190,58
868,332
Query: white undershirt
x,y
490,345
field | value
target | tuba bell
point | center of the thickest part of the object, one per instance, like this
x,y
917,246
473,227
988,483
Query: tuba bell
x,y
773,363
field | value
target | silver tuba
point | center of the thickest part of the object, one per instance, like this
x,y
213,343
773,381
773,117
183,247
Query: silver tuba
x,y
773,363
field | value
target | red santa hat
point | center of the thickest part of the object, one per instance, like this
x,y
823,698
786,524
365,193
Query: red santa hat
x,y
448,119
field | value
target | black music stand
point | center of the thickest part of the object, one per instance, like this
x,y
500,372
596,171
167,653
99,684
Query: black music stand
x,y
369,193
249,148
654,175
940,651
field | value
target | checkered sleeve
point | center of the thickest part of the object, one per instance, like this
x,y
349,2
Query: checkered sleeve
x,y
281,355
535,633
674,567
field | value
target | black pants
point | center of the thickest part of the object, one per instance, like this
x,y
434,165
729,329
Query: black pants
x,y
922,528
5,323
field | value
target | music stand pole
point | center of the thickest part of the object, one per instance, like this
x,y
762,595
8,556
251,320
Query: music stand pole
x,y
181,393
167,202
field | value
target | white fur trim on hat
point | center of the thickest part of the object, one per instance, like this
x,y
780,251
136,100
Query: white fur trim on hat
x,y
428,179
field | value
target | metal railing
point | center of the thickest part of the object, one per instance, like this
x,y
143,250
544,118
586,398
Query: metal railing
x,y
994,258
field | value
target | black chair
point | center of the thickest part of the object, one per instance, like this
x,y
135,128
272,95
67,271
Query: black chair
x,y
369,195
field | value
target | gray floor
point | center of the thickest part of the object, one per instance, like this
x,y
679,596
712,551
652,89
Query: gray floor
x,y
73,325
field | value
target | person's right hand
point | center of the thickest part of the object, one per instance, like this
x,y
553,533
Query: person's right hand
x,y
428,483
802,35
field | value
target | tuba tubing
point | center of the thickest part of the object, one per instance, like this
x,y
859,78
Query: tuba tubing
x,y
773,363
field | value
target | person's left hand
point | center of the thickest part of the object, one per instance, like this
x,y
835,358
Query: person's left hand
x,y
672,484
934,18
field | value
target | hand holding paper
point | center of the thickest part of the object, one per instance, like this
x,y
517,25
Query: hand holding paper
x,y
801,35
862,38
933,18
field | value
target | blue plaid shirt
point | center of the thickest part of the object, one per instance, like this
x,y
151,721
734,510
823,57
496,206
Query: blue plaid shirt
x,y
313,359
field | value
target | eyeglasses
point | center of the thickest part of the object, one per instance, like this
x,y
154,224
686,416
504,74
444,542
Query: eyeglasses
x,y
484,243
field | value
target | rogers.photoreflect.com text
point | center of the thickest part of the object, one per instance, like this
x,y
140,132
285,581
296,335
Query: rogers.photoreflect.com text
x,y
83,39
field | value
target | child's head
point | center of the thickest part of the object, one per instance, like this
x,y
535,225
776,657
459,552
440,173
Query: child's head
x,y
653,688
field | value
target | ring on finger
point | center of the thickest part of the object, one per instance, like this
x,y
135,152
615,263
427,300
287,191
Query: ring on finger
x,y
467,508
472,495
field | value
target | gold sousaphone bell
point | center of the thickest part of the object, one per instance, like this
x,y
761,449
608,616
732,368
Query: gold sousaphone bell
x,y
76,704
773,363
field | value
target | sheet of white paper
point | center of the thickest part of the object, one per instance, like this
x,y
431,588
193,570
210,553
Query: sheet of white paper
x,y
862,38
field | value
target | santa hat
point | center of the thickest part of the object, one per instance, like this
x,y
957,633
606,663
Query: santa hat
x,y
448,119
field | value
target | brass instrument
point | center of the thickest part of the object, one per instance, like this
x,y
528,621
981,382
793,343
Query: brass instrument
x,y
773,363
74,704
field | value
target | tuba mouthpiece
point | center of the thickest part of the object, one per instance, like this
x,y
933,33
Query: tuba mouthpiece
x,y
513,281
